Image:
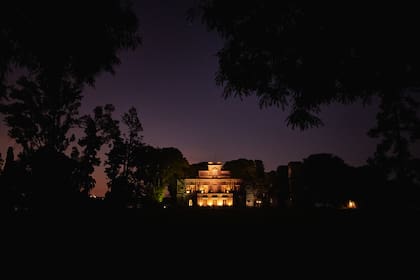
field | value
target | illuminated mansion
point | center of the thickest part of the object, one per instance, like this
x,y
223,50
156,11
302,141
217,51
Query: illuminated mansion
x,y
213,187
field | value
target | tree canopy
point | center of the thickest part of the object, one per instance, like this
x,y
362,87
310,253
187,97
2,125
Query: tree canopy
x,y
57,48
326,178
70,39
307,54
246,169
38,117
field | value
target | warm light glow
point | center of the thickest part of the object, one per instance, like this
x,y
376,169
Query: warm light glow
x,y
351,204
190,202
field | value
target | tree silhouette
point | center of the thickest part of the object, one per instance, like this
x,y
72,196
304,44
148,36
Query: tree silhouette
x,y
7,186
327,180
282,185
159,168
397,127
174,166
245,169
13,184
252,174
1,164
259,169
124,146
10,159
98,130
121,164
67,40
39,117
309,54
60,47
372,189
52,184
133,140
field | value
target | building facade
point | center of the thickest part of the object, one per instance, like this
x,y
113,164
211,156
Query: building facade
x,y
213,187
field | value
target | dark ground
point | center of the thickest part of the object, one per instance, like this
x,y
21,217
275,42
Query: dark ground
x,y
240,221
239,243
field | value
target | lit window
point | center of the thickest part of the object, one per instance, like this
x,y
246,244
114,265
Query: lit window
x,y
190,202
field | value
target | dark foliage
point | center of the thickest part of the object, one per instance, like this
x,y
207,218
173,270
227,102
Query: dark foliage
x,y
76,39
304,55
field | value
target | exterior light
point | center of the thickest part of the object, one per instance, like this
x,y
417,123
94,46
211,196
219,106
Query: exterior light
x,y
351,204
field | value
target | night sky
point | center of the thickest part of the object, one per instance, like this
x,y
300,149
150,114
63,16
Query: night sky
x,y
170,80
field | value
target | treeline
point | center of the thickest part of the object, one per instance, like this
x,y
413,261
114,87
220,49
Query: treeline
x,y
43,175
322,180
139,174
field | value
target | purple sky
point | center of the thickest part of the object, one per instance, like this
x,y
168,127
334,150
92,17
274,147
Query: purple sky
x,y
170,80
